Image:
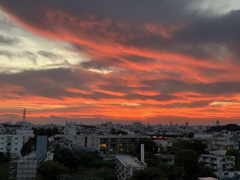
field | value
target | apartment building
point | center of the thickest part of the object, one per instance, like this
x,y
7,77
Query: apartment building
x,y
221,164
217,142
109,144
127,165
11,143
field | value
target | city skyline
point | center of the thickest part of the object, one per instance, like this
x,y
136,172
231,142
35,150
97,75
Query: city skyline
x,y
91,62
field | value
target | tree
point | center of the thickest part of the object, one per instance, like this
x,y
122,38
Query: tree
x,y
50,170
195,145
205,172
235,153
150,173
150,158
188,159
67,157
64,177
28,146
55,131
49,132
95,178
149,146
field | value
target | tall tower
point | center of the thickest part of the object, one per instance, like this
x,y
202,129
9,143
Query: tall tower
x,y
24,115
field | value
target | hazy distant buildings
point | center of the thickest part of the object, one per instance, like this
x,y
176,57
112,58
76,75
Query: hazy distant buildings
x,y
137,124
217,123
170,123
109,124
187,124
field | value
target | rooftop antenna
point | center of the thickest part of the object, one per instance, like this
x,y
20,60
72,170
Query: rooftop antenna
x,y
24,115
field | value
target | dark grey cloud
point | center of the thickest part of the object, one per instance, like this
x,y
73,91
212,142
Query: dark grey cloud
x,y
31,56
170,86
6,53
222,30
25,54
8,40
202,38
49,55
135,10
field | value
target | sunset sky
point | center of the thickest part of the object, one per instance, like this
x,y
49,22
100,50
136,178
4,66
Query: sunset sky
x,y
93,61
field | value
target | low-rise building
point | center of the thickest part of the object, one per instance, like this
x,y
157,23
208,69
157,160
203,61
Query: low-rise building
x,y
11,143
127,165
221,164
109,144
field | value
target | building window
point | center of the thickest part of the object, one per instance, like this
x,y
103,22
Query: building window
x,y
16,138
16,143
2,137
1,148
103,145
15,148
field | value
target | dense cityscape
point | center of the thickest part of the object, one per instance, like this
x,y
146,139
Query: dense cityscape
x,y
109,151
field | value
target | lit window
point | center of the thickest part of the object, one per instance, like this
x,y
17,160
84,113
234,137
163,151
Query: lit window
x,y
103,146
155,137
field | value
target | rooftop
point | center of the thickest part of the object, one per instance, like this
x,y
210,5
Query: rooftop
x,y
130,161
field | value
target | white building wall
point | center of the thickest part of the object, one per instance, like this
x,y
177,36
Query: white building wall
x,y
11,143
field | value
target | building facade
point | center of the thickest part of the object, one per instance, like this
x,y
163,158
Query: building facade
x,y
109,144
126,166
221,164
12,144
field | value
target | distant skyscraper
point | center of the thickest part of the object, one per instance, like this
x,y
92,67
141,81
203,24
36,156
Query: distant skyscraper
x,y
170,123
187,124
217,123
177,125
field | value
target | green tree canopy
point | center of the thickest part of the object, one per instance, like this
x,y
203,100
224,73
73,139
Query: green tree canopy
x,y
228,127
195,145
150,158
235,153
149,146
28,146
150,173
67,157
95,178
188,159
50,170
64,177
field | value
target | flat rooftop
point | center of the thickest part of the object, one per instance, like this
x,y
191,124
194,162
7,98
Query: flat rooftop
x,y
207,178
120,136
130,161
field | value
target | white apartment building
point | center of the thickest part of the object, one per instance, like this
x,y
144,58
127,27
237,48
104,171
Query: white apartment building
x,y
221,164
70,128
11,143
109,144
127,165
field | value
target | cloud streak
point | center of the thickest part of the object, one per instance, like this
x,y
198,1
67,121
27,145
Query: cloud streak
x,y
158,59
